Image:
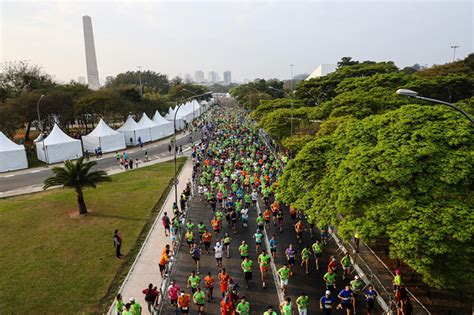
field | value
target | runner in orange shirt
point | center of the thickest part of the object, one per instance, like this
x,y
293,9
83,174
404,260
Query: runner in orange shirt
x,y
224,281
183,302
275,207
299,230
216,226
206,238
165,257
209,282
266,215
227,307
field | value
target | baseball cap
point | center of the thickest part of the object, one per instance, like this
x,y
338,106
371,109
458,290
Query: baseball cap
x,y
132,299
328,292
356,277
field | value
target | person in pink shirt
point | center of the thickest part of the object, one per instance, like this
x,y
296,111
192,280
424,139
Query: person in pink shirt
x,y
173,292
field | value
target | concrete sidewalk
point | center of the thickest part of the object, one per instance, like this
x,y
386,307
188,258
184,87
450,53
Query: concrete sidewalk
x,y
145,267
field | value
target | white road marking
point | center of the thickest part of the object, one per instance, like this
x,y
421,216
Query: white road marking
x,y
9,175
37,171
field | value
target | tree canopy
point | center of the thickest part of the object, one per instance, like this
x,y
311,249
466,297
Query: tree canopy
x,y
385,166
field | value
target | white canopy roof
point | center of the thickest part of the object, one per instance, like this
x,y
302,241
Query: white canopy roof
x,y
158,119
129,125
102,129
57,136
8,145
146,122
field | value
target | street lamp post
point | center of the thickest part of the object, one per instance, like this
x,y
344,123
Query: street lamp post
x,y
175,180
454,47
292,65
291,100
413,94
140,79
38,111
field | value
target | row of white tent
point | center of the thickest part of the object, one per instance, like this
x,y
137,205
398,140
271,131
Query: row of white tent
x,y
58,146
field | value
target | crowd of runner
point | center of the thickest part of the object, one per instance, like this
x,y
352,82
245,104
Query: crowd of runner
x,y
232,170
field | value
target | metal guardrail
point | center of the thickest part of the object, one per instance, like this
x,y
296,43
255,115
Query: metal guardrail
x,y
171,266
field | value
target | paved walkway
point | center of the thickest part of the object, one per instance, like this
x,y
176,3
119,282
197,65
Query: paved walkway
x,y
145,268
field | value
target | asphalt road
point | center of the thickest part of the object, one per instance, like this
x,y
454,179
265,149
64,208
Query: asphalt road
x,y
258,298
33,177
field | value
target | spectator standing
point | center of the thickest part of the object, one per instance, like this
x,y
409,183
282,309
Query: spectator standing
x,y
117,243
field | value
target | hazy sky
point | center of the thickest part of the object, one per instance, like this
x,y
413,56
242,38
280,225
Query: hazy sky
x,y
250,38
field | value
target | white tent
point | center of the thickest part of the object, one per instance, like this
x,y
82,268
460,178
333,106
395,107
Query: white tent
x,y
179,121
133,132
104,137
167,126
12,155
58,147
156,132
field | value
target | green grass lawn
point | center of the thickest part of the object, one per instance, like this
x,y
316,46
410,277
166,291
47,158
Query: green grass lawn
x,y
53,261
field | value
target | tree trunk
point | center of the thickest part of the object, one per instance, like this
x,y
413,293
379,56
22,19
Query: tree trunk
x,y
81,202
27,132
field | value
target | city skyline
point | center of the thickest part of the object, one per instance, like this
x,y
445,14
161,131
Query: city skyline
x,y
261,39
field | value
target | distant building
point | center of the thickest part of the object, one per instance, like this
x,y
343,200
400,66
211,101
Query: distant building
x,y
212,77
227,77
321,71
187,78
199,76
91,60
82,80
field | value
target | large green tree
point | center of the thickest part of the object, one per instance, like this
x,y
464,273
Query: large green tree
x,y
151,80
406,176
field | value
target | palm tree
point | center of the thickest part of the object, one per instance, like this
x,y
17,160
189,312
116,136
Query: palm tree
x,y
77,175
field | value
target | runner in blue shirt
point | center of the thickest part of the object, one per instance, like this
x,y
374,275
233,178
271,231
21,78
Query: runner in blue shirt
x,y
370,296
347,299
326,303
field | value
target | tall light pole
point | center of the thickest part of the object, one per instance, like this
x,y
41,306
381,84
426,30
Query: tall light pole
x,y
38,111
454,47
292,77
140,79
291,100
175,180
413,94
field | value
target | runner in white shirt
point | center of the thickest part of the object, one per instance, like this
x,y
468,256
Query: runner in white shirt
x,y
219,252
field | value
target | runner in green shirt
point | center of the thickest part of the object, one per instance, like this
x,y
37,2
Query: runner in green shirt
x,y
199,298
263,262
247,266
286,308
190,225
317,250
243,308
305,253
135,307
193,281
284,274
270,311
330,279
119,304
258,236
346,265
302,301
244,250
201,227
